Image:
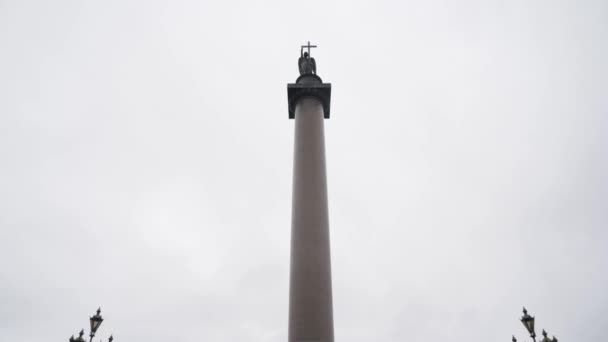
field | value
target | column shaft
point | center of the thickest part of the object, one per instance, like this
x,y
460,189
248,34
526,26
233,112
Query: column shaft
x,y
310,297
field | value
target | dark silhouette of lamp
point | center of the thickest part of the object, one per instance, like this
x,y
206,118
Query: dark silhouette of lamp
x,y
528,322
95,323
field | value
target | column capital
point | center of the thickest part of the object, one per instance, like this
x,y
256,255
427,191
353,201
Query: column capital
x,y
309,85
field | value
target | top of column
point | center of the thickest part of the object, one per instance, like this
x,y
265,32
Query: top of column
x,y
308,83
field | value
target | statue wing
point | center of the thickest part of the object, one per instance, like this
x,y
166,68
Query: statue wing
x,y
314,66
301,65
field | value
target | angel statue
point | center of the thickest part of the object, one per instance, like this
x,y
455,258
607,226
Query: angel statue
x,y
306,64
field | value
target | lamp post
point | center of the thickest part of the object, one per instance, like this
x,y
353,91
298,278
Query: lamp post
x,y
95,321
528,322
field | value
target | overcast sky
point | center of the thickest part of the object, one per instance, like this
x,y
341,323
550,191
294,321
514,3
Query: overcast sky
x,y
146,165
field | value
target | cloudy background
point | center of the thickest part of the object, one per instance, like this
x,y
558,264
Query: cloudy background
x,y
146,163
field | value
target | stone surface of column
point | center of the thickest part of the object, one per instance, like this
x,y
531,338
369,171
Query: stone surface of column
x,y
310,292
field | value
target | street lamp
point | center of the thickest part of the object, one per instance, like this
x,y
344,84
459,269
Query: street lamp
x,y
79,339
95,321
528,322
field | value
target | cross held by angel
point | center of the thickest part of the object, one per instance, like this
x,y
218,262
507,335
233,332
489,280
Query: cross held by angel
x,y
307,64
